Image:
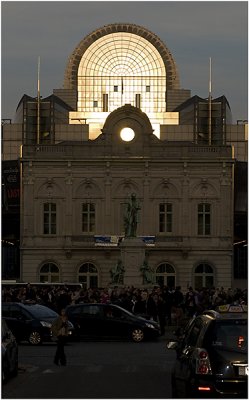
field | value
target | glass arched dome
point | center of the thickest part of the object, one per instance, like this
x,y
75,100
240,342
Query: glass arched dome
x,y
121,64
121,68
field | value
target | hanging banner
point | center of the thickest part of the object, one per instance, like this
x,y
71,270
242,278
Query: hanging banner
x,y
109,240
102,240
11,184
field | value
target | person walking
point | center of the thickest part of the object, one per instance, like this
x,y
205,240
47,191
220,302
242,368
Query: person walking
x,y
190,302
60,331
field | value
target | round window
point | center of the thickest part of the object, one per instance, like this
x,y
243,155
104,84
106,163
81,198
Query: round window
x,y
127,134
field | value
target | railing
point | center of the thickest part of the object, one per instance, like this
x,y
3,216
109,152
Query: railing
x,y
100,149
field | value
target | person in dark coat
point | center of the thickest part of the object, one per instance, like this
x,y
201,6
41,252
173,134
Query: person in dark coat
x,y
190,302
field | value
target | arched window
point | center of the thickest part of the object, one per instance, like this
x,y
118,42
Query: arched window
x,y
204,276
49,272
88,276
165,275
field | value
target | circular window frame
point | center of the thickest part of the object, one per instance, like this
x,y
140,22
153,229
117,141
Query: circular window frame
x,y
129,131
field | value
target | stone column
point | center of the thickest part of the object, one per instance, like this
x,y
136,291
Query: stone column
x,y
132,256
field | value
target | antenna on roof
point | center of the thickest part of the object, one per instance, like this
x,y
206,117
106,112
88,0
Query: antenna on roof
x,y
38,101
210,104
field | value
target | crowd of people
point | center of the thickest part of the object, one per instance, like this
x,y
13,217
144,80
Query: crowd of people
x,y
168,306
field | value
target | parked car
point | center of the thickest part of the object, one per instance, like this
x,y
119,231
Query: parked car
x,y
95,320
9,353
30,322
211,355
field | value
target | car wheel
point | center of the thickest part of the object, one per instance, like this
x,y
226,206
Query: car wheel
x,y
137,335
35,338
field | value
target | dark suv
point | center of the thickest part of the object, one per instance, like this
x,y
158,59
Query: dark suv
x,y
30,322
212,355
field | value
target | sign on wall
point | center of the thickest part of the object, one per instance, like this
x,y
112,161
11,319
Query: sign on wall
x,y
11,183
113,240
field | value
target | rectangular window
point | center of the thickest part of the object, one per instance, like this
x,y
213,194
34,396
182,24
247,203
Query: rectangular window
x,y
165,217
115,88
204,219
49,219
95,103
88,217
147,89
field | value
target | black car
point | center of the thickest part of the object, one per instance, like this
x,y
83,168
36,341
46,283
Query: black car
x,y
95,320
9,353
211,356
30,322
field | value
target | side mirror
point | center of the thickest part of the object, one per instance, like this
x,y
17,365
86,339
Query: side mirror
x,y
172,345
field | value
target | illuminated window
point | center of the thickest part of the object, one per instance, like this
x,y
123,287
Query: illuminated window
x,y
127,134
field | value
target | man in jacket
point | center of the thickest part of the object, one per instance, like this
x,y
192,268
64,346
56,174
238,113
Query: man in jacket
x,y
60,331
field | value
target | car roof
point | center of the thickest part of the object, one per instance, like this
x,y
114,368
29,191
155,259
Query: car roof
x,y
30,306
25,304
228,312
99,305
93,304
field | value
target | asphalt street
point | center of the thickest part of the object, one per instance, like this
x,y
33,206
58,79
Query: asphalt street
x,y
95,369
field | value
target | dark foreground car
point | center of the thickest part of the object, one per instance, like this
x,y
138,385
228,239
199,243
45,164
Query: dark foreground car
x,y
110,321
212,357
9,353
30,322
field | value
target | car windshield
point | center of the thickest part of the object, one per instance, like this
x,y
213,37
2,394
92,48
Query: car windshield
x,y
39,312
231,335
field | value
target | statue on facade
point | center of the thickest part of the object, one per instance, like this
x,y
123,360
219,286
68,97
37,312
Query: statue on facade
x,y
117,273
147,273
131,217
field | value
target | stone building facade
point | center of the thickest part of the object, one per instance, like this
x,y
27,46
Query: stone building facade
x,y
123,137
185,192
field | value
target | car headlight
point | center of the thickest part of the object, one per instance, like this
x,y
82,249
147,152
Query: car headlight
x,y
46,324
151,326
